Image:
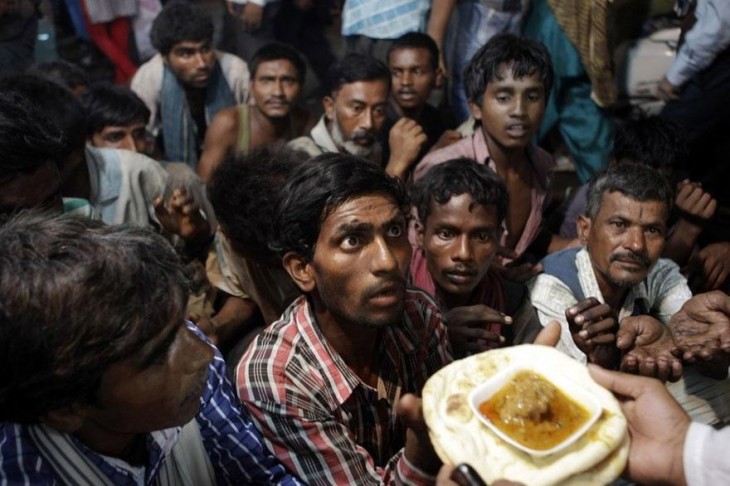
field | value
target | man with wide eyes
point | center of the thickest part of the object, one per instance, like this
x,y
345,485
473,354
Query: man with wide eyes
x,y
329,383
188,82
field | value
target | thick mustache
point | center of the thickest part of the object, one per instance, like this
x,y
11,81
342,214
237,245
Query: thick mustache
x,y
631,258
396,282
362,134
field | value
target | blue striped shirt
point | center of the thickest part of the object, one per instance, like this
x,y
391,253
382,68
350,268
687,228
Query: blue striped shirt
x,y
235,448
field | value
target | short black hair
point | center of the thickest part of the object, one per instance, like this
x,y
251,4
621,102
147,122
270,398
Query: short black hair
x,y
180,21
356,67
77,297
456,177
275,51
243,191
63,72
317,188
653,141
56,102
524,56
112,106
417,40
28,137
637,181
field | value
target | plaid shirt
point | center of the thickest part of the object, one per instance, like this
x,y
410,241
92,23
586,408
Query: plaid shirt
x,y
319,418
234,446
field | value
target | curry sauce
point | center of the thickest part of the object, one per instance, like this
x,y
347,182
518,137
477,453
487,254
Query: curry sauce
x,y
534,412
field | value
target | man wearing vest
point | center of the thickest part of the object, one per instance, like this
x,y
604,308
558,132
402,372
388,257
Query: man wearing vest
x,y
615,296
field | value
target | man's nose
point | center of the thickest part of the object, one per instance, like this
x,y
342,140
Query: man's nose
x,y
635,240
383,257
128,143
200,60
406,78
463,250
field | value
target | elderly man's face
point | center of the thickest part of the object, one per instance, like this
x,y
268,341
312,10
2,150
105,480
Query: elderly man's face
x,y
625,240
357,114
192,62
358,271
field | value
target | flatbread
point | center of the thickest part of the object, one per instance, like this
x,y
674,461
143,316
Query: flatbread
x,y
458,435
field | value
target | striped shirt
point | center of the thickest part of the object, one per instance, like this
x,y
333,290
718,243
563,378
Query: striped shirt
x,y
233,445
379,19
319,417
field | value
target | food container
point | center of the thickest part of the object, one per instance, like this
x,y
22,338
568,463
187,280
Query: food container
x,y
575,393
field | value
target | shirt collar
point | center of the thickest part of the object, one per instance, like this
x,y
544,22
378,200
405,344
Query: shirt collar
x,y
542,163
395,343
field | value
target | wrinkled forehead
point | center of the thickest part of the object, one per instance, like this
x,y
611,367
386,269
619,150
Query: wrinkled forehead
x,y
368,208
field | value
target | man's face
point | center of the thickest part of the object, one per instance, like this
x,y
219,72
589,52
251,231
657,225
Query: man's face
x,y
625,240
40,188
511,110
129,137
413,77
357,112
156,388
192,62
460,239
358,271
275,88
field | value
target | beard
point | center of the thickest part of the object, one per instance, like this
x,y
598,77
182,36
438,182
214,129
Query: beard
x,y
349,145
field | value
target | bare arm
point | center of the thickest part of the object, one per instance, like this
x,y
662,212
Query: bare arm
x,y
220,139
441,11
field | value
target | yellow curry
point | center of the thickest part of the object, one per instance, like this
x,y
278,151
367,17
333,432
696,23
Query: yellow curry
x,y
534,412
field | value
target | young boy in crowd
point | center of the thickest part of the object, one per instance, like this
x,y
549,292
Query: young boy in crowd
x,y
461,207
115,118
413,60
507,83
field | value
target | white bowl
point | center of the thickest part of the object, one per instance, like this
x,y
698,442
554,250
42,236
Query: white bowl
x,y
580,395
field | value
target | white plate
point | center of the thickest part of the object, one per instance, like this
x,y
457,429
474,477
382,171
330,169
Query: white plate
x,y
585,398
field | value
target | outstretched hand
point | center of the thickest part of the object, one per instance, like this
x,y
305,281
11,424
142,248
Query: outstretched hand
x,y
593,329
648,348
701,328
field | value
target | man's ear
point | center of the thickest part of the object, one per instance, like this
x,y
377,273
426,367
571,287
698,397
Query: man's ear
x,y
300,270
328,103
476,110
67,419
583,225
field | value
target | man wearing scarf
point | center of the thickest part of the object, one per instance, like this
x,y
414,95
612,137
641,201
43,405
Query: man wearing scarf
x,y
188,82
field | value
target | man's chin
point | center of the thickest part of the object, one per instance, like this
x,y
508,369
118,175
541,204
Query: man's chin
x,y
353,148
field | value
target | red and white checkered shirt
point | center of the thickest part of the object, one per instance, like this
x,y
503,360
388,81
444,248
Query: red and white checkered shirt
x,y
324,423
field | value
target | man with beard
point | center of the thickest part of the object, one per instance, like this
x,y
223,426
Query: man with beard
x,y
615,295
354,114
277,77
188,82
328,384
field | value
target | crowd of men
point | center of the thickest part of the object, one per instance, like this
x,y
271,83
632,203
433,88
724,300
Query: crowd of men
x,y
203,282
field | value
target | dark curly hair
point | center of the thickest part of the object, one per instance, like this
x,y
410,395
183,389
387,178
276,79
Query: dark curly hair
x,y
180,21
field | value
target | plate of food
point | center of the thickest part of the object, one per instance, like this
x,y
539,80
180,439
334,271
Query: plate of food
x,y
526,413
